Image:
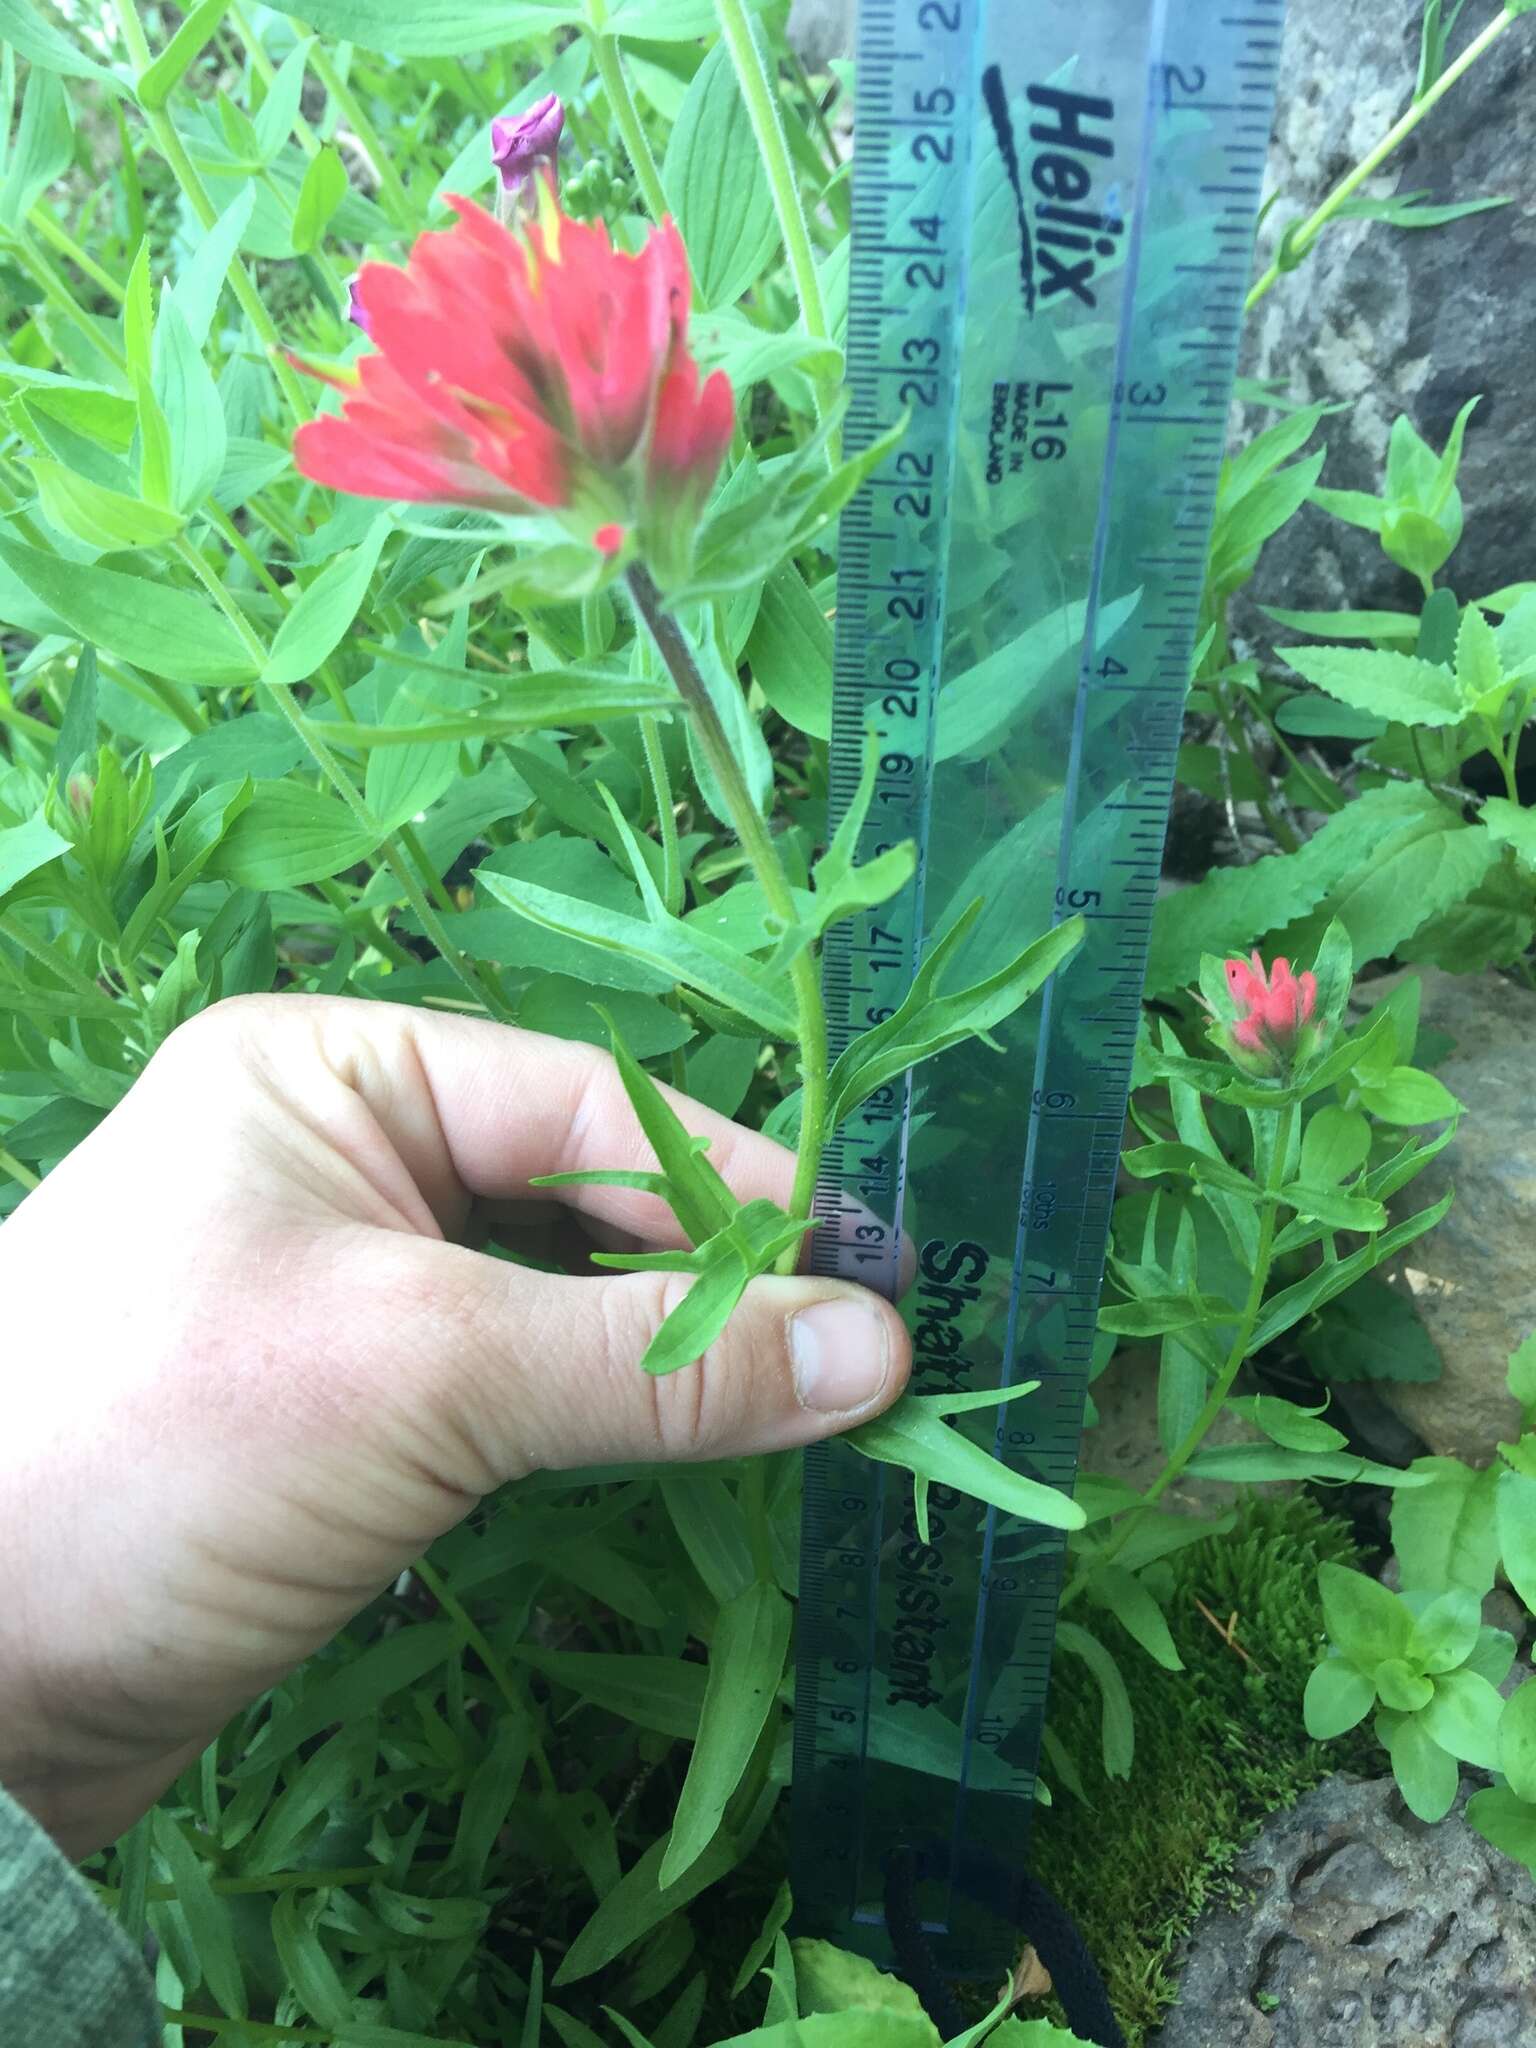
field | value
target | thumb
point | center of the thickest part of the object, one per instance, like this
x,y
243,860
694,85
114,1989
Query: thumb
x,y
535,1370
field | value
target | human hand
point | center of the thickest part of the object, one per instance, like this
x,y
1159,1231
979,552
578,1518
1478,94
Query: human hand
x,y
253,1377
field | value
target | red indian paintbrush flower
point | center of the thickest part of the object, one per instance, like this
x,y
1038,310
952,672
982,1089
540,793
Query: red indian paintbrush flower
x,y
1274,1015
539,370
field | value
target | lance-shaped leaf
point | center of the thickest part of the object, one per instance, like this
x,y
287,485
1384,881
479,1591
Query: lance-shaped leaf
x,y
914,1434
746,1662
928,1022
677,950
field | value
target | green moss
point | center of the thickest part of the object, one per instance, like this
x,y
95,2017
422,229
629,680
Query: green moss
x,y
1218,1747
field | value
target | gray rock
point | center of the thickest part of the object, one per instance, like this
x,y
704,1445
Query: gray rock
x,y
820,29
1473,1279
1395,320
1362,1927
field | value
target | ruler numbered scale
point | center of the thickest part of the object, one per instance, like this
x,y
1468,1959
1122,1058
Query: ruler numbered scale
x,y
1054,204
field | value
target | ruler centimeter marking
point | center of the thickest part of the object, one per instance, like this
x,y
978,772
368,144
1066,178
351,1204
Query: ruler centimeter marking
x,y
1053,209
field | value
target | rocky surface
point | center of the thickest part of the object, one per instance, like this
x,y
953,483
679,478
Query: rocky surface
x,y
1395,320
820,29
1362,1927
1473,1278
1124,1444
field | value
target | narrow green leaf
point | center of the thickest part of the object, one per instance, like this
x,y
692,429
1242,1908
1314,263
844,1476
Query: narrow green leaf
x,y
102,518
716,185
323,190
927,1022
43,150
324,611
168,632
45,49
911,1435
194,414
660,1693
1517,1743
1125,1596
681,953
1119,1728
26,848
301,1956
1517,1532
160,79
207,1916
746,1663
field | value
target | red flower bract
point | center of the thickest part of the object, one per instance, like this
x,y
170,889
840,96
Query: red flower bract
x,y
528,370
1273,1010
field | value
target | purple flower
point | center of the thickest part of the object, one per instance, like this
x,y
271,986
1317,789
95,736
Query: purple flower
x,y
520,143
357,312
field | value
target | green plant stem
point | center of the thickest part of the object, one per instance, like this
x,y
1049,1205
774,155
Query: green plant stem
x,y
666,815
496,1665
41,951
63,301
757,844
346,789
399,207
1311,228
266,71
51,231
768,128
23,1175
1274,1179
163,133
1278,830
605,52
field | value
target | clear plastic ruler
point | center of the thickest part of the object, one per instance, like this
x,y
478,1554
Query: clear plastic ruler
x,y
1054,205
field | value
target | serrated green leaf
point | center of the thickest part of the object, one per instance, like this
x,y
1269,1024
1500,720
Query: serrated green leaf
x,y
1399,687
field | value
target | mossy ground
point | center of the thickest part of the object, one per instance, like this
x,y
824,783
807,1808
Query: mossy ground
x,y
1218,1747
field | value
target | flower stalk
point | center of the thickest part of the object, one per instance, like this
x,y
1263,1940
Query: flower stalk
x,y
1307,233
768,129
756,842
1274,1179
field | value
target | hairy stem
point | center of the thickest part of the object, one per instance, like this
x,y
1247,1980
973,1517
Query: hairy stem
x,y
757,844
626,115
397,201
768,128
1307,234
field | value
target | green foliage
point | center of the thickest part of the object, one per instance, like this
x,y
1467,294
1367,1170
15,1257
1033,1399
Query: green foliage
x,y
260,738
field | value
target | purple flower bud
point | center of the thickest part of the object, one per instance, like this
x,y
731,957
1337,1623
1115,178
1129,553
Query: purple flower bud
x,y
357,312
520,143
